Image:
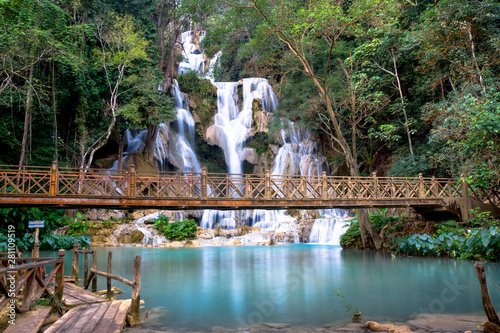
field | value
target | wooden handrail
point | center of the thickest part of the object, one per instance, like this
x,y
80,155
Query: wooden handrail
x,y
66,184
135,284
32,281
112,276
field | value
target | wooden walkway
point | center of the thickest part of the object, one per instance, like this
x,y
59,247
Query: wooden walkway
x,y
30,322
103,317
65,187
75,296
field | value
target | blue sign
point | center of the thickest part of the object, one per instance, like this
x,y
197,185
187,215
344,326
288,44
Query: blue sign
x,y
36,224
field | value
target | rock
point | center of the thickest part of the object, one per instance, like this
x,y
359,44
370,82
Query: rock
x,y
305,227
114,291
376,327
226,233
141,213
205,235
249,155
276,325
234,242
176,244
261,121
190,243
213,136
130,237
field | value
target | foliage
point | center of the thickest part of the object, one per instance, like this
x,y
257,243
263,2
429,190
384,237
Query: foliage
x,y
351,239
178,230
161,223
46,242
20,217
354,311
260,142
482,244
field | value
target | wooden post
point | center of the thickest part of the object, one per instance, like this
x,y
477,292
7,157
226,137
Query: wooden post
x,y
75,262
204,183
433,187
28,291
85,269
324,186
94,266
132,180
136,290
59,289
267,186
190,185
488,308
349,187
465,187
375,185
108,281
53,179
36,247
421,188
248,190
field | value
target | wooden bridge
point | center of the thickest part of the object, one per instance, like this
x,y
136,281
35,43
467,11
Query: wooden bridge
x,y
98,188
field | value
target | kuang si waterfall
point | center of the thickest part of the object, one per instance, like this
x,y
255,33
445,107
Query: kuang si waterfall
x,y
243,110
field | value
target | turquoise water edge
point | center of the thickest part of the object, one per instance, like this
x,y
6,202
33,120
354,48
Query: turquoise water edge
x,y
236,286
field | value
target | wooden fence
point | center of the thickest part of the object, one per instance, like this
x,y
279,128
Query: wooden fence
x,y
22,278
67,183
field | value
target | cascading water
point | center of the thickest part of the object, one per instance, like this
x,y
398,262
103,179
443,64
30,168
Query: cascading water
x,y
194,59
300,154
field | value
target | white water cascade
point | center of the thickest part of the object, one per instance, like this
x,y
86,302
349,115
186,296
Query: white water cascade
x,y
300,153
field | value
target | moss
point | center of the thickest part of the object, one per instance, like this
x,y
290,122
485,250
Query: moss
x,y
212,157
203,93
260,142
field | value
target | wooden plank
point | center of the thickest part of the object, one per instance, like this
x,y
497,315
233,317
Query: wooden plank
x,y
81,294
66,322
91,313
71,301
108,319
30,322
120,317
94,321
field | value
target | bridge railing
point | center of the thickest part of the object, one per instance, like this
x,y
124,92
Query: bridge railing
x,y
102,183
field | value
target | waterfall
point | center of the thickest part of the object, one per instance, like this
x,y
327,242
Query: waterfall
x,y
327,231
300,153
194,59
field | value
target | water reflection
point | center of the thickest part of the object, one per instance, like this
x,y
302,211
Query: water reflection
x,y
238,286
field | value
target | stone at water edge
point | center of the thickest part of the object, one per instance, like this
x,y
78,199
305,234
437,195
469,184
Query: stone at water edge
x,y
114,291
376,327
234,242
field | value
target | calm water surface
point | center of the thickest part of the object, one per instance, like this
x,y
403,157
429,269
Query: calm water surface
x,y
197,288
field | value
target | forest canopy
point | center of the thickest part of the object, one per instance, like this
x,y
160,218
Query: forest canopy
x,y
400,87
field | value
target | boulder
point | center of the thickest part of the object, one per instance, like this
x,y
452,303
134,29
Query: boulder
x,y
234,242
130,237
213,136
376,327
250,155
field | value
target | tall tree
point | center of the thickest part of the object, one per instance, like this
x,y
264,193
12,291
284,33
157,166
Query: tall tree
x,y
305,27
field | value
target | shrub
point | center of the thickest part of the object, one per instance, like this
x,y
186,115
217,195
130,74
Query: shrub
x,y
180,230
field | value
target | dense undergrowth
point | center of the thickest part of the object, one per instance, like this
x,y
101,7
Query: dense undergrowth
x,y
48,240
176,231
477,238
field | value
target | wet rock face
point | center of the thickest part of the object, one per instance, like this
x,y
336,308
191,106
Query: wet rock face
x,y
305,228
130,237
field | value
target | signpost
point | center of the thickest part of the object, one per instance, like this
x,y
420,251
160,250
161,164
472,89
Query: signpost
x,y
36,247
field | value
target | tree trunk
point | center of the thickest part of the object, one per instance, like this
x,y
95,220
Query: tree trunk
x,y
120,154
149,149
54,110
364,221
489,310
27,120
